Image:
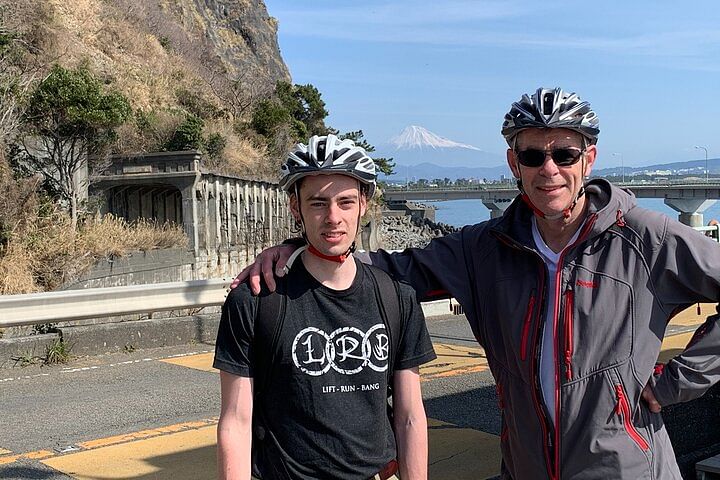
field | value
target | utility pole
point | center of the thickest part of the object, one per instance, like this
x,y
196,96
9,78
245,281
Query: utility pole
x,y
707,175
622,165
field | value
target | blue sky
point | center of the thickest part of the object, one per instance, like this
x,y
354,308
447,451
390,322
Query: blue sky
x,y
650,69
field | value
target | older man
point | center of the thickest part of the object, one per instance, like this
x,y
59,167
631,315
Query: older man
x,y
570,292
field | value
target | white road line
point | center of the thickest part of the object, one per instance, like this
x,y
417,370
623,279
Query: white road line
x,y
97,367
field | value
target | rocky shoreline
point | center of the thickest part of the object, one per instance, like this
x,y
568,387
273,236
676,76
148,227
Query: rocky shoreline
x,y
400,232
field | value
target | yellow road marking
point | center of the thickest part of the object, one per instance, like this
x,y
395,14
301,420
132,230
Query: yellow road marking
x,y
4,452
9,459
201,361
461,453
144,434
454,360
689,316
39,454
674,345
36,455
188,454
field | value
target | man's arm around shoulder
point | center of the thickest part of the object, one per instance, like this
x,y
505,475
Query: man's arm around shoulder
x,y
234,433
410,425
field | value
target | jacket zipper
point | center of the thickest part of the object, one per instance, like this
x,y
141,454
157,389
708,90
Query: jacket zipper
x,y
623,410
558,281
536,390
568,334
526,328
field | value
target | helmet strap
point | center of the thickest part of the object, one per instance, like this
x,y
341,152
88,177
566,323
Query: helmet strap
x,y
332,258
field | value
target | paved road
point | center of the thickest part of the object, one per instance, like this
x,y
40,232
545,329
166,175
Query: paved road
x,y
152,413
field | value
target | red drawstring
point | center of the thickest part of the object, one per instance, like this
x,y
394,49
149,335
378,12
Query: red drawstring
x,y
619,219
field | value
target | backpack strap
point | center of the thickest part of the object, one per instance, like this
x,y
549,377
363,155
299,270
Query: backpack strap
x,y
387,293
269,320
269,317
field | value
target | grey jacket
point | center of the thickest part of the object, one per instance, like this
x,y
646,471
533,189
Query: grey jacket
x,y
627,274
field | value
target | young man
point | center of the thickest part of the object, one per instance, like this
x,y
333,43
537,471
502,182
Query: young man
x,y
312,392
570,292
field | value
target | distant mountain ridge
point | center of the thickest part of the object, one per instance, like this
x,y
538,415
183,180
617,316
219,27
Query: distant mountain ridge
x,y
413,137
417,145
430,171
695,167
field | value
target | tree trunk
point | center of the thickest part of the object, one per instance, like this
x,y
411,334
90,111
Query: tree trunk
x,y
73,211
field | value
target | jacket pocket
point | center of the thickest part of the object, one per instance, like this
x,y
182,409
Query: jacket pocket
x,y
527,322
623,411
568,322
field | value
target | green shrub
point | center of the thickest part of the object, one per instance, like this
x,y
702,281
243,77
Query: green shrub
x,y
268,116
188,135
214,145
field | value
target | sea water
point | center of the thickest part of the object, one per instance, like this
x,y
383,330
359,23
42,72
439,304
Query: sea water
x,y
466,212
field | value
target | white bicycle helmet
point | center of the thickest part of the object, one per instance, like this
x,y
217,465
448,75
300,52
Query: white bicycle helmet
x,y
551,108
329,155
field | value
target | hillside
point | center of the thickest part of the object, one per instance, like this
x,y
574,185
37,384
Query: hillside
x,y
121,76
210,58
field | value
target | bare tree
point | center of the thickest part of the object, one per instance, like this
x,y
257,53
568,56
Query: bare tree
x,y
238,93
18,72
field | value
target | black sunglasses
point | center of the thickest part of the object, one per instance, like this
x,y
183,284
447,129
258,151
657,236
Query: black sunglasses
x,y
563,157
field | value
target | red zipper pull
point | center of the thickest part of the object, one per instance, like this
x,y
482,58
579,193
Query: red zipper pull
x,y
568,365
620,396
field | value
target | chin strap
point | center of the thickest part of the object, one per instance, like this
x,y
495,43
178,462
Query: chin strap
x,y
332,258
564,214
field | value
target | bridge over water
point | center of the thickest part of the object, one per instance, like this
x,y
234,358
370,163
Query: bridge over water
x,y
690,199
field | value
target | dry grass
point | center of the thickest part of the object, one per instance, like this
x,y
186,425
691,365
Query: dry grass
x,y
48,253
115,236
241,156
158,128
16,275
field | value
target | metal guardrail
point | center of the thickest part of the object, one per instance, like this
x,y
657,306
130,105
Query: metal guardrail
x,y
712,231
52,307
67,305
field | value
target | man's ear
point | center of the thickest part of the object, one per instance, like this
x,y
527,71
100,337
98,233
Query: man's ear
x,y
590,156
363,203
512,163
295,207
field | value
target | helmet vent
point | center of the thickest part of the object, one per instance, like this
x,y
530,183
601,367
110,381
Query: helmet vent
x,y
548,103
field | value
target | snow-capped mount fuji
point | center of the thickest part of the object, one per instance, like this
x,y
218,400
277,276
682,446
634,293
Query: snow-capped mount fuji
x,y
413,137
420,153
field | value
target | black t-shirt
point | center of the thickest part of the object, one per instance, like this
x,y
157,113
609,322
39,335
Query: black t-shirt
x,y
325,403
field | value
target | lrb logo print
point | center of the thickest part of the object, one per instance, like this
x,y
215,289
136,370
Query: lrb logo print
x,y
347,350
